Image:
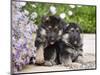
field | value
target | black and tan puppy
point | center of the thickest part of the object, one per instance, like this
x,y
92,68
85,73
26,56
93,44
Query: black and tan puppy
x,y
70,46
48,33
51,55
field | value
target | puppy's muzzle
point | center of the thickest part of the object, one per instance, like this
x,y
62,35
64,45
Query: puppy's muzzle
x,y
51,38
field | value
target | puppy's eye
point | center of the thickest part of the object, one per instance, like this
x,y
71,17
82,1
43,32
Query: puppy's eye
x,y
71,31
77,30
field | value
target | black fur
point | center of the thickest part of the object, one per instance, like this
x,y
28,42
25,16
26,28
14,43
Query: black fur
x,y
47,34
56,48
68,50
52,25
51,55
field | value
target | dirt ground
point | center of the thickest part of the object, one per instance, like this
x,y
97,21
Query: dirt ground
x,y
89,59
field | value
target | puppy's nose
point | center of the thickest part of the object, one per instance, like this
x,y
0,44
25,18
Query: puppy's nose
x,y
52,39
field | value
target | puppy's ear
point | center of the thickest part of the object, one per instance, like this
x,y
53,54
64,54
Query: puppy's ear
x,y
58,18
45,19
55,19
65,28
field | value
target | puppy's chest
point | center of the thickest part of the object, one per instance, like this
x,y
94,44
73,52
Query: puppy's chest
x,y
66,47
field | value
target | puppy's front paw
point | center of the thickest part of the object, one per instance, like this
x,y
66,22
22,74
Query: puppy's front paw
x,y
39,60
65,61
80,59
39,56
48,63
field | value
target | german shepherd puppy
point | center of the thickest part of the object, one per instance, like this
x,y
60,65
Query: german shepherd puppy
x,y
70,45
48,33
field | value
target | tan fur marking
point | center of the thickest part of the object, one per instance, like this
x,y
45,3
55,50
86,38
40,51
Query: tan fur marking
x,y
40,55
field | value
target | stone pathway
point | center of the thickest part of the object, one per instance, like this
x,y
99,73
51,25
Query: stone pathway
x,y
89,59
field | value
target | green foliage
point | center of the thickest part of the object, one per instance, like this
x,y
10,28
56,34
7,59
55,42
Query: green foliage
x,y
85,16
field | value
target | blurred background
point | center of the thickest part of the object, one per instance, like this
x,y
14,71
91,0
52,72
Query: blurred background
x,y
84,15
